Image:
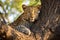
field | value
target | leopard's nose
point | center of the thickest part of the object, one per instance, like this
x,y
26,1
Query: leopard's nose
x,y
31,19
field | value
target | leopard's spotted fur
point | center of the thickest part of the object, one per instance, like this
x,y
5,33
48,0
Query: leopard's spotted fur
x,y
30,15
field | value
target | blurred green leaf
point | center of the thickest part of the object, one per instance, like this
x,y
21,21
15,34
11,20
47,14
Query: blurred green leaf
x,y
35,2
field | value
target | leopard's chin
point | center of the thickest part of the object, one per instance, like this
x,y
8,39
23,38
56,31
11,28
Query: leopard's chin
x,y
32,20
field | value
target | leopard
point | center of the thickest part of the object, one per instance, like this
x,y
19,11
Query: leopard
x,y
24,21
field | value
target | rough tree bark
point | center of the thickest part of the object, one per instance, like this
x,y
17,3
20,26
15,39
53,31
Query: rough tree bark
x,y
48,25
9,33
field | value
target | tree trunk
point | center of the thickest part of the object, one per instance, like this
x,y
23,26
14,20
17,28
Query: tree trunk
x,y
48,25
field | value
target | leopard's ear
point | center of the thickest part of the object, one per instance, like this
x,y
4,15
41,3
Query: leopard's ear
x,y
24,7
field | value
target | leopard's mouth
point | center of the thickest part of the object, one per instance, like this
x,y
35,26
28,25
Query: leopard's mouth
x,y
32,19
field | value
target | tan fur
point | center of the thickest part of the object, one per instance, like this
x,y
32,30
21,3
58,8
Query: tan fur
x,y
31,12
30,15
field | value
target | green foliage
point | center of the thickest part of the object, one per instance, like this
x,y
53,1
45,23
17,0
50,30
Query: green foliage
x,y
35,2
17,4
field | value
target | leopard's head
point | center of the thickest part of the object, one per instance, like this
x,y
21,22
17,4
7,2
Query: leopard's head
x,y
32,12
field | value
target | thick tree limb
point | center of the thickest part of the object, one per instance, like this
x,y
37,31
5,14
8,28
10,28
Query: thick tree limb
x,y
12,34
